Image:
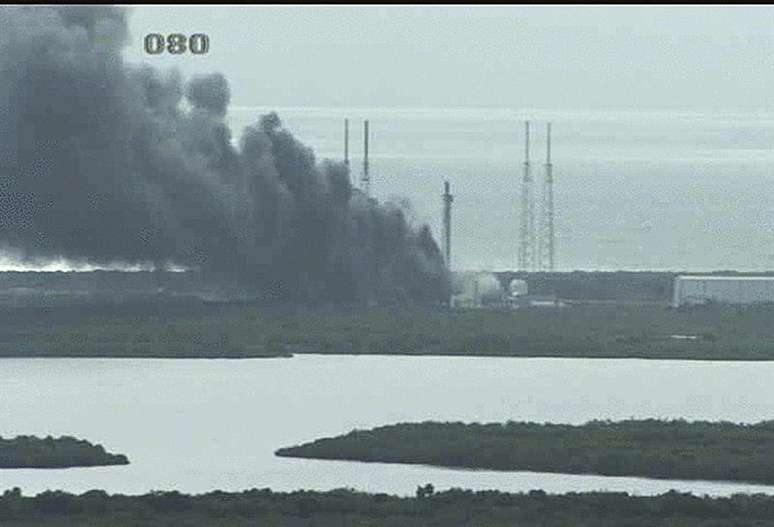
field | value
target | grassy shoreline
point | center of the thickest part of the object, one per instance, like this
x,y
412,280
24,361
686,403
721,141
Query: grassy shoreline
x,y
250,331
678,450
348,508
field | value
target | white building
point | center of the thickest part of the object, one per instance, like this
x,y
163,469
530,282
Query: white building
x,y
691,290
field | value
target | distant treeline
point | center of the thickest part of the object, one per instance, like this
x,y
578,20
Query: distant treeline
x,y
68,288
348,508
176,330
49,452
631,286
646,448
33,288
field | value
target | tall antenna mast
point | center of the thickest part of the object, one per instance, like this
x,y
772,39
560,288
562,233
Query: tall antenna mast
x,y
346,144
447,204
526,234
366,180
548,206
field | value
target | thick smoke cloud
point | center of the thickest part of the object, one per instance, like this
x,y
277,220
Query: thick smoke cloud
x,y
209,93
100,160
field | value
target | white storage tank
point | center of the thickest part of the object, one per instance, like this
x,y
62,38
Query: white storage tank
x,y
692,290
517,288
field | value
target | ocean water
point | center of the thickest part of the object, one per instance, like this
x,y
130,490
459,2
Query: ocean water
x,y
200,425
645,189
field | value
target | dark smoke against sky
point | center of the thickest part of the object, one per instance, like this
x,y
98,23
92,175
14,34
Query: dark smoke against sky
x,y
102,161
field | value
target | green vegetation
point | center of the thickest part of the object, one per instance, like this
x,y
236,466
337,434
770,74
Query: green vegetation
x,y
145,329
347,508
585,330
647,448
62,452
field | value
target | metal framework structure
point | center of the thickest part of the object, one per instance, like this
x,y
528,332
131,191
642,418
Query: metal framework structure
x,y
547,234
365,181
527,223
537,236
447,204
346,145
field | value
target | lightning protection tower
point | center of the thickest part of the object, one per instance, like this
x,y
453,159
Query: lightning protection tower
x,y
447,204
527,223
346,145
366,179
548,235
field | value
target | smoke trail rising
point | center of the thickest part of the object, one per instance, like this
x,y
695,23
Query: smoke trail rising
x,y
100,160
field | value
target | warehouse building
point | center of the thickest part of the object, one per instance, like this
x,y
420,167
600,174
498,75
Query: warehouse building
x,y
692,290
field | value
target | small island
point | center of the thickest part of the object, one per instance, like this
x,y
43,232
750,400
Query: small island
x,y
49,452
646,448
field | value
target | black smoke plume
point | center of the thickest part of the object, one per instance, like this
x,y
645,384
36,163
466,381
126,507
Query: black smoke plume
x,y
101,160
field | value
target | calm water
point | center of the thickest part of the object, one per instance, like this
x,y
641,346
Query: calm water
x,y
634,189
214,424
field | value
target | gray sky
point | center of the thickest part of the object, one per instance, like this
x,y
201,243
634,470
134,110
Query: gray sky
x,y
567,57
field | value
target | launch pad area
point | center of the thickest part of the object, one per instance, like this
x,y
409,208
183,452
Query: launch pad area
x,y
611,315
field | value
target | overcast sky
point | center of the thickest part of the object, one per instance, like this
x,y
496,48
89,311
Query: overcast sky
x,y
535,57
